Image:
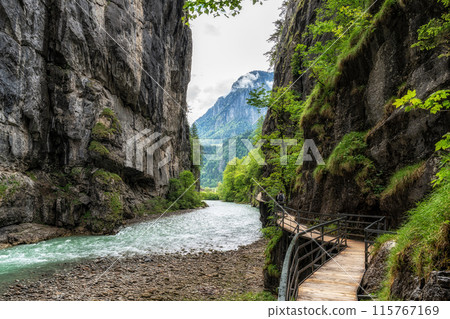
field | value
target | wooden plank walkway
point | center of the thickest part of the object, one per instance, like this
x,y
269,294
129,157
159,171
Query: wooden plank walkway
x,y
338,279
289,224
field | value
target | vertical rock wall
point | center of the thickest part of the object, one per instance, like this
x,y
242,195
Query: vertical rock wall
x,y
78,79
360,100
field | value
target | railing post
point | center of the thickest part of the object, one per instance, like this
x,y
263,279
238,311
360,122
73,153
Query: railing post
x,y
346,232
366,250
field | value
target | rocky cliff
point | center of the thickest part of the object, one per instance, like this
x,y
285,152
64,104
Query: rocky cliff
x,y
360,100
354,111
79,81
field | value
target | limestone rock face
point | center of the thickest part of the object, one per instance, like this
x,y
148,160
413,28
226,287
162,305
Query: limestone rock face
x,y
78,81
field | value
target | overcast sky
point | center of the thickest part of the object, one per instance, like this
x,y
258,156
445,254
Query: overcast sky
x,y
225,49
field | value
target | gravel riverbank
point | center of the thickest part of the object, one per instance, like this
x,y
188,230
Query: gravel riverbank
x,y
203,276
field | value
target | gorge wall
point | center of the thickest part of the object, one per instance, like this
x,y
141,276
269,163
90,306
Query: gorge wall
x,y
78,79
360,100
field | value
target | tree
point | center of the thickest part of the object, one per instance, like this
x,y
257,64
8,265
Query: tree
x,y
436,32
182,191
195,8
436,102
331,37
193,137
431,36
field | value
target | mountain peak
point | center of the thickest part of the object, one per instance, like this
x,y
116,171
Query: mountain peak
x,y
231,115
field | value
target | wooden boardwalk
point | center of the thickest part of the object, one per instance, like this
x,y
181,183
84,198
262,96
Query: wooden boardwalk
x,y
338,279
289,224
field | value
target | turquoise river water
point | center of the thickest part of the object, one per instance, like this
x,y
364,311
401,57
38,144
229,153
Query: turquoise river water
x,y
221,226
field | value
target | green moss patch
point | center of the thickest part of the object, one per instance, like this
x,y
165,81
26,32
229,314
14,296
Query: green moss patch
x,y
115,205
106,177
107,126
348,154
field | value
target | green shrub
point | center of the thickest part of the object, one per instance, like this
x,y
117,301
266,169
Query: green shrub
x,y
273,234
8,187
3,189
182,192
209,195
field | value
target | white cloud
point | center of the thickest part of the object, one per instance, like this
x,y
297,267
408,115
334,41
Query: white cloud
x,y
200,99
246,81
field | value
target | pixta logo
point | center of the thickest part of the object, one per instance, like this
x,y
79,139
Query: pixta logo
x,y
309,151
141,148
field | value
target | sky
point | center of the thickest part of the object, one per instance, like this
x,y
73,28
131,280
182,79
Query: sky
x,y
226,48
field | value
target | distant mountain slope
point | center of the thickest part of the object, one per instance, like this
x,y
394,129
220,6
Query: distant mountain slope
x,y
231,115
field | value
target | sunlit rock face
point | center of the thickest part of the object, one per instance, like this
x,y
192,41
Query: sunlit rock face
x,y
78,80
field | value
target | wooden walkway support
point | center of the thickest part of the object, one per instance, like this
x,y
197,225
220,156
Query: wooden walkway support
x,y
338,279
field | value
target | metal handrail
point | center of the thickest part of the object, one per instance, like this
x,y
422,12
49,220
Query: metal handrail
x,y
294,272
369,240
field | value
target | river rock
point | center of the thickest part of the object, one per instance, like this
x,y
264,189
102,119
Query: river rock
x,y
29,233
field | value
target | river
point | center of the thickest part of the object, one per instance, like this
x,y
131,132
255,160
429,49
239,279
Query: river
x,y
221,226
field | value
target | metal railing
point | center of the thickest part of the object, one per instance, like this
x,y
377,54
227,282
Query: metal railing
x,y
371,232
307,252
328,235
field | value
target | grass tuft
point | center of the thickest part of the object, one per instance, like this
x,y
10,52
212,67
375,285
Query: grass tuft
x,y
422,243
348,154
403,178
252,296
98,148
